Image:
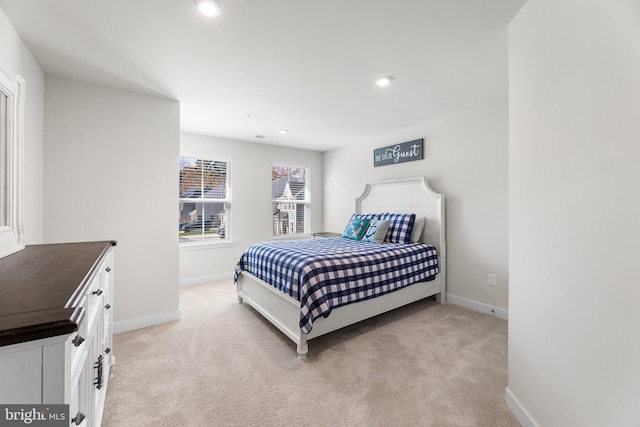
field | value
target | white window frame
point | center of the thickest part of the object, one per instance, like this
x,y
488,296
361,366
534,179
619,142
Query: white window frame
x,y
12,86
306,202
187,245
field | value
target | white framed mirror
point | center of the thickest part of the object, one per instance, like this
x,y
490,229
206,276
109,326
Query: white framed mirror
x,y
11,161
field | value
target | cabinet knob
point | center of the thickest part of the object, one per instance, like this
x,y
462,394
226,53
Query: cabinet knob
x,y
77,340
108,306
79,418
108,269
98,292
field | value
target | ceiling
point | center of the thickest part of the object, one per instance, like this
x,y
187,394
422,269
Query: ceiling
x,y
262,66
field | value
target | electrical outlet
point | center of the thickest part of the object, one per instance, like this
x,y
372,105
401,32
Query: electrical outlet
x,y
492,280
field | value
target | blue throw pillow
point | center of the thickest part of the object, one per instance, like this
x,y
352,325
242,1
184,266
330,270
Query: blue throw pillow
x,y
356,228
376,231
400,227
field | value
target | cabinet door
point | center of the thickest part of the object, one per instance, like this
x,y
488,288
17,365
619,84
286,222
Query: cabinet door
x,y
99,369
84,413
77,403
107,285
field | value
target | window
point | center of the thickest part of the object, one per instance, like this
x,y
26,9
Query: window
x,y
11,149
205,203
290,200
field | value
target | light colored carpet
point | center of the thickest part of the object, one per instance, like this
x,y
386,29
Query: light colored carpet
x,y
425,364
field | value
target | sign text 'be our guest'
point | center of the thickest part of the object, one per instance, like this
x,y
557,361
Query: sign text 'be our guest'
x,y
399,153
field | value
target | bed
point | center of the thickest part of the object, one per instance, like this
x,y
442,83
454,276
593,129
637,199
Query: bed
x,y
282,306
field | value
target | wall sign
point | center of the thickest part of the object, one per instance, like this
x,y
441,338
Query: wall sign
x,y
399,153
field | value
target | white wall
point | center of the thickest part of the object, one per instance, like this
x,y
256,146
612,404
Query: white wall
x,y
574,170
111,164
466,160
251,200
15,54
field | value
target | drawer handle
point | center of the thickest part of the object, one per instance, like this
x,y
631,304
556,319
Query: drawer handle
x,y
107,350
108,269
108,306
98,292
78,419
98,366
77,340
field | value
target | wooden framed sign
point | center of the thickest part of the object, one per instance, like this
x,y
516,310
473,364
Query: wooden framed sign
x,y
399,153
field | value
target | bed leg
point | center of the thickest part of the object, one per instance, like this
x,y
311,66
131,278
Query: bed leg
x,y
302,347
239,299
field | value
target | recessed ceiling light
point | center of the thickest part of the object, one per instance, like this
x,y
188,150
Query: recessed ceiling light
x,y
284,131
384,81
209,7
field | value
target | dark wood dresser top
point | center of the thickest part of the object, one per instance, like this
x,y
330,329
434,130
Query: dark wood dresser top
x,y
41,286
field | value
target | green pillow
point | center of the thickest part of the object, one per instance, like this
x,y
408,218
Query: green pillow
x,y
377,231
356,228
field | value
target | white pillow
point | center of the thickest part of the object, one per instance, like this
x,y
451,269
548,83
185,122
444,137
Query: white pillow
x,y
377,231
418,226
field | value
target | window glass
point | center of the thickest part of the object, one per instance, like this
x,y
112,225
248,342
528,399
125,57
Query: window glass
x,y
290,200
3,158
205,205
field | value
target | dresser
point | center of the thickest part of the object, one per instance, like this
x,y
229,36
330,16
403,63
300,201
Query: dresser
x,y
56,327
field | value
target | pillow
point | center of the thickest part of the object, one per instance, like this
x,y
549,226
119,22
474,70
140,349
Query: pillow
x,y
377,231
418,226
400,227
356,228
366,216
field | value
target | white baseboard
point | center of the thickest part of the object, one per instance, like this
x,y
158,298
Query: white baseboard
x,y
205,279
521,414
143,322
500,313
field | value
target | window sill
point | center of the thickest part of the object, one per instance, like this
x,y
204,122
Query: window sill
x,y
186,247
292,237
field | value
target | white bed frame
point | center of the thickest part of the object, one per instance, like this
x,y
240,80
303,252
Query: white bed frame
x,y
411,195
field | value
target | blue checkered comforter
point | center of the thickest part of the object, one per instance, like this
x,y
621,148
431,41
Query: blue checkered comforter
x,y
327,273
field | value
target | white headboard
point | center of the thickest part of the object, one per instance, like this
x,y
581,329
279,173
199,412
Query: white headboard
x,y
409,195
